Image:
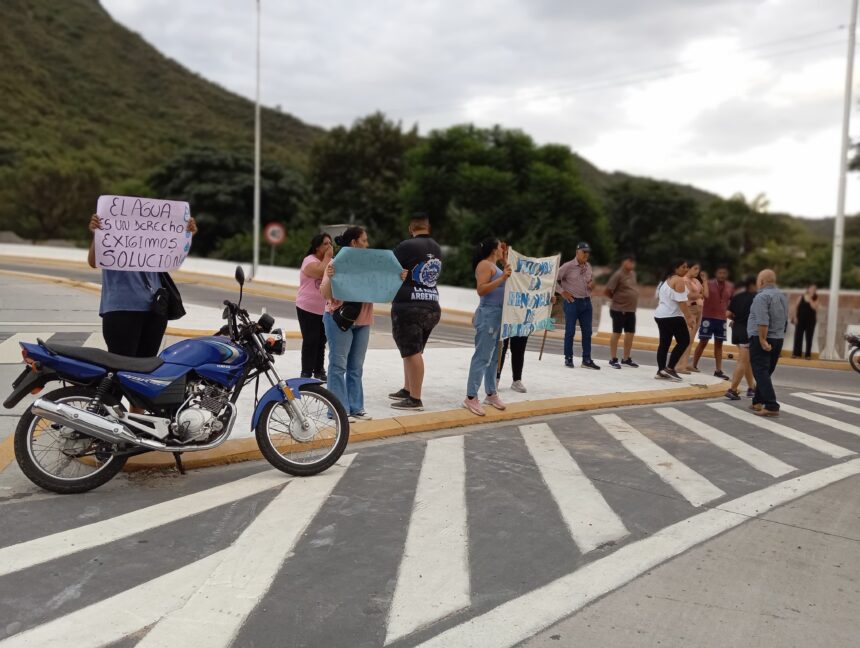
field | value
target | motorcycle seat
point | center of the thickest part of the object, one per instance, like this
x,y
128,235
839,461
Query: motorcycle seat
x,y
112,361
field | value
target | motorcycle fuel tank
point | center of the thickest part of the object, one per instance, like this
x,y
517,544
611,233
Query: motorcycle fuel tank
x,y
212,349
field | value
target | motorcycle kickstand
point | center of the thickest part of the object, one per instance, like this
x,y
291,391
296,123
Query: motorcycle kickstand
x,y
177,456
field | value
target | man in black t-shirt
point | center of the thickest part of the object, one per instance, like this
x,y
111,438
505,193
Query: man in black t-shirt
x,y
739,314
415,310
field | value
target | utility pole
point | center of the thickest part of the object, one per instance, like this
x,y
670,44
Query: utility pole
x,y
830,351
256,263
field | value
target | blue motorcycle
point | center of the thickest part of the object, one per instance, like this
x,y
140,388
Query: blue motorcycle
x,y
76,438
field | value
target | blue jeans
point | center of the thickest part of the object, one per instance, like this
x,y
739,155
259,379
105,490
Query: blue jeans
x,y
485,359
346,363
579,310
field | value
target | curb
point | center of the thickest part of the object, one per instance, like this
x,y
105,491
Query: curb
x,y
247,450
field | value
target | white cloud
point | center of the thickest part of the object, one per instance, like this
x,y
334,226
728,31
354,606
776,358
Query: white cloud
x,y
730,95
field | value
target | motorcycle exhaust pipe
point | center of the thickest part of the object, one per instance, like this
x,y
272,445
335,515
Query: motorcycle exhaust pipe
x,y
114,431
84,422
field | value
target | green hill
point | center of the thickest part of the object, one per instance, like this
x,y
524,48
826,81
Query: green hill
x,y
75,84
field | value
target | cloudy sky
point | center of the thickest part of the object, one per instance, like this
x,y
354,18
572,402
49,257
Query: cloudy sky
x,y
728,95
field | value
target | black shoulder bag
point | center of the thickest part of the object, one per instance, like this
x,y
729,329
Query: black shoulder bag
x,y
346,314
175,309
166,301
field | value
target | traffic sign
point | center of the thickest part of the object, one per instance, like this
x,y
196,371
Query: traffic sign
x,y
275,233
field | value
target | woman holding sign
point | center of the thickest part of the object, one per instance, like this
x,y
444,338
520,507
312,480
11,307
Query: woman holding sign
x,y
347,327
490,282
132,325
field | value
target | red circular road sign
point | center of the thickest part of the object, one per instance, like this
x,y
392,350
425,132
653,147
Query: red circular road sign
x,y
275,233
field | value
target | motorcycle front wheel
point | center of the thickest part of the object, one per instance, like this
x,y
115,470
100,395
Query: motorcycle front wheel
x,y
308,449
60,459
854,359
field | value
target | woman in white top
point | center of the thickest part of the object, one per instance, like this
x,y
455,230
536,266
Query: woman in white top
x,y
674,319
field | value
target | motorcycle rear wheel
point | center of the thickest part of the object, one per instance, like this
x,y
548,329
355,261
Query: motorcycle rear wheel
x,y
301,452
854,359
47,452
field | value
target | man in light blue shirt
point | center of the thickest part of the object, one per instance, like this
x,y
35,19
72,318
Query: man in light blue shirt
x,y
766,327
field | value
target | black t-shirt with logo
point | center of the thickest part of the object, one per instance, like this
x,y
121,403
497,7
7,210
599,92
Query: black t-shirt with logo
x,y
422,257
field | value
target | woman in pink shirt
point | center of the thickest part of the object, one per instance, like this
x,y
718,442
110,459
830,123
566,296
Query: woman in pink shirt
x,y
310,306
347,326
696,285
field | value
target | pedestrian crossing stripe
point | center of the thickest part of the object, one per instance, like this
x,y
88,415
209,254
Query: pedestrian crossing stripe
x,y
207,601
830,449
433,579
829,403
759,460
187,606
591,521
841,396
836,424
687,482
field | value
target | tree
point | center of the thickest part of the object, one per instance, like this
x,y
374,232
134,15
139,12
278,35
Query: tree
x,y
476,182
220,188
654,221
356,173
46,199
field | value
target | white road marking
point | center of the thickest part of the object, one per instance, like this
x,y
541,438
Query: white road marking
x,y
829,403
33,552
10,349
820,418
433,579
244,569
96,340
690,485
835,395
521,618
215,613
830,449
116,617
759,460
591,521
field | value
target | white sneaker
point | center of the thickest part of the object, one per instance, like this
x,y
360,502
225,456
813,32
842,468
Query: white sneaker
x,y
518,386
362,416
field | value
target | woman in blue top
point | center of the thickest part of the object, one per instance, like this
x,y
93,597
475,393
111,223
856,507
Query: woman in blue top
x,y
490,282
129,326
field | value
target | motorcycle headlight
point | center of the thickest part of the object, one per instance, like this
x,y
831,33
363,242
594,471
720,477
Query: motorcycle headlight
x,y
276,344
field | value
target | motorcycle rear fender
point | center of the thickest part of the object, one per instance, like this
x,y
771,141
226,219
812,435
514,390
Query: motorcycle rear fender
x,y
73,370
26,383
275,394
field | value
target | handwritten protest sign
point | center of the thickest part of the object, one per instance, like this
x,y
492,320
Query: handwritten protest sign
x,y
528,295
366,275
142,234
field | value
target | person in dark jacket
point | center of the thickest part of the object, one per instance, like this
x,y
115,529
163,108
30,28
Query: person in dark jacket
x,y
805,318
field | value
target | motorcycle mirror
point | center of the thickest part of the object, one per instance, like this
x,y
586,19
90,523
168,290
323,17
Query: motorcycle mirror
x,y
240,278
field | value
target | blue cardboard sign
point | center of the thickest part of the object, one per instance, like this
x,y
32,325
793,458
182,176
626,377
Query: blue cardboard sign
x,y
363,275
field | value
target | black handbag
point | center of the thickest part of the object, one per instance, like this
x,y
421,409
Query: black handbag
x,y
175,309
346,314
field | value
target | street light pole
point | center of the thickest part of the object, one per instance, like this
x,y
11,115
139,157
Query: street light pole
x,y
256,263
839,226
